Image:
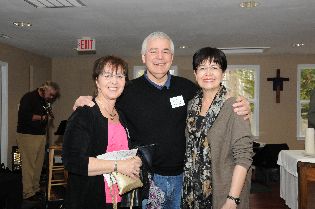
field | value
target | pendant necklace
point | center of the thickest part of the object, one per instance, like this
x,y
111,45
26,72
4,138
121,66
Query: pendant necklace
x,y
112,114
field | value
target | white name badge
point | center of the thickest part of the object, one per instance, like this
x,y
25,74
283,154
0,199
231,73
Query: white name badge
x,y
177,101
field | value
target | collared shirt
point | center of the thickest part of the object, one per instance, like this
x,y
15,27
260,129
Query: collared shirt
x,y
167,83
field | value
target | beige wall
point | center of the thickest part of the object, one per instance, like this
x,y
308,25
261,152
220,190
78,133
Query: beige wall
x,y
277,120
19,62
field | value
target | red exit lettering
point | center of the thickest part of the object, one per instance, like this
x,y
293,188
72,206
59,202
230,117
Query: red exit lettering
x,y
86,44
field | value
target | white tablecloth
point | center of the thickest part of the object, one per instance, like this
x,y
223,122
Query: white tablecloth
x,y
287,160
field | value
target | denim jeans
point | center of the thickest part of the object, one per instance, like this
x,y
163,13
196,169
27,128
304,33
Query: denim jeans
x,y
172,187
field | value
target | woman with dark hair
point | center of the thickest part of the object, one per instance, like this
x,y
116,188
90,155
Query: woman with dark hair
x,y
219,142
92,131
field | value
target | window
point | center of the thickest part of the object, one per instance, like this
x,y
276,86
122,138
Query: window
x,y
244,80
305,84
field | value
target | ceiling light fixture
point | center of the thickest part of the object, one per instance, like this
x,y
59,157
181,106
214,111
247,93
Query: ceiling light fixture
x,y
183,47
249,4
55,3
298,45
22,24
244,50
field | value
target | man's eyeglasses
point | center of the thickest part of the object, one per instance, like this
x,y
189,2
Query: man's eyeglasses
x,y
108,76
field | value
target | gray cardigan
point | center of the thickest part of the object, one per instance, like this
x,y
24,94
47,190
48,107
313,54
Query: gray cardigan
x,y
231,144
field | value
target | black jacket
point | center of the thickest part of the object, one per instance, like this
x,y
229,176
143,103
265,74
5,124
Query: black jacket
x,y
86,136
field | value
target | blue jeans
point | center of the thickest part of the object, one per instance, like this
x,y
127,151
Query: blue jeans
x,y
172,187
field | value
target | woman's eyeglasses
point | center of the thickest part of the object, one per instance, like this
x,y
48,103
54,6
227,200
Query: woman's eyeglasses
x,y
108,76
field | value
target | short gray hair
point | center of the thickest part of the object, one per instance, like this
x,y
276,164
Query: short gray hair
x,y
157,34
53,85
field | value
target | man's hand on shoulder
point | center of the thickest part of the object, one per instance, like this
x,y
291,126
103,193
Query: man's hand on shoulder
x,y
83,100
242,107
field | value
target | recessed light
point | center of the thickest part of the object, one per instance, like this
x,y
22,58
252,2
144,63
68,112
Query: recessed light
x,y
22,24
244,50
298,45
183,47
249,4
4,36
55,3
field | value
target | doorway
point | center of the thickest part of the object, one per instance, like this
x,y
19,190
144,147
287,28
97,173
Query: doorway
x,y
4,112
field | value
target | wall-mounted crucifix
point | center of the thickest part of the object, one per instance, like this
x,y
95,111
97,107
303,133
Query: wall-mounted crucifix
x,y
277,84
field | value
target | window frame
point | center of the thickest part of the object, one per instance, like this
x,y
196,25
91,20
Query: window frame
x,y
255,100
299,134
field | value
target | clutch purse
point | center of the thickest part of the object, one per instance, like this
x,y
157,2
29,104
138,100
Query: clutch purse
x,y
126,183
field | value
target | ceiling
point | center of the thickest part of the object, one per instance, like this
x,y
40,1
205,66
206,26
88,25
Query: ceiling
x,y
120,26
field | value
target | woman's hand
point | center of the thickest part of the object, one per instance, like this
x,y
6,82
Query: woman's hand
x,y
83,100
130,167
229,204
242,107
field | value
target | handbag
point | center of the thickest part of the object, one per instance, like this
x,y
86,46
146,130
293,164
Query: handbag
x,y
126,183
131,199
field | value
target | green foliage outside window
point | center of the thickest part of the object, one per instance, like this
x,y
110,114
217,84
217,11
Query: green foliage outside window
x,y
247,79
241,82
307,83
306,86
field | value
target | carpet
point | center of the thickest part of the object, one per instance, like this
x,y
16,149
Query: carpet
x,y
259,188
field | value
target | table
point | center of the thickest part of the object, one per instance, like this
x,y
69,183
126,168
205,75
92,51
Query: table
x,y
287,160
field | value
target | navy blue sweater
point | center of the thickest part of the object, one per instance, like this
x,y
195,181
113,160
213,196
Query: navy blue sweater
x,y
152,119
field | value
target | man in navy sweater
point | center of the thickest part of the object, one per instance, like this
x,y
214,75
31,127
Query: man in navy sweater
x,y
155,106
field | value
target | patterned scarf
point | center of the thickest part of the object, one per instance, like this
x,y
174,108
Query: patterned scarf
x,y
197,188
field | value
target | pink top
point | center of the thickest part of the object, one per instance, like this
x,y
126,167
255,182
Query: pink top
x,y
117,140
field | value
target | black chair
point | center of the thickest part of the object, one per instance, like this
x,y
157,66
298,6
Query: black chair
x,y
265,161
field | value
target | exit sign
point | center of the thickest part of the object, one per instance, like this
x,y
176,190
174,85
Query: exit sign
x,y
86,44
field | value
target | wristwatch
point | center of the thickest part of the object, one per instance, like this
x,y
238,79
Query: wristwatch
x,y
237,200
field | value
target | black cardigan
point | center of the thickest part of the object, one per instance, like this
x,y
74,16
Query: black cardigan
x,y
86,136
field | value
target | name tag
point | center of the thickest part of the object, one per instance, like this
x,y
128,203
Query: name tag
x,y
177,101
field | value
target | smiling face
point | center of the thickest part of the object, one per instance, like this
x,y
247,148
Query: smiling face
x,y
111,82
209,75
158,58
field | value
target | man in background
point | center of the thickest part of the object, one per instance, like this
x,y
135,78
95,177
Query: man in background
x,y
34,113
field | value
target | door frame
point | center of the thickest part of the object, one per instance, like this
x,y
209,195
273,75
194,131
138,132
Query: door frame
x,y
4,113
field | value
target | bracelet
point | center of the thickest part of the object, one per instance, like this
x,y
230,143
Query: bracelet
x,y
235,199
115,167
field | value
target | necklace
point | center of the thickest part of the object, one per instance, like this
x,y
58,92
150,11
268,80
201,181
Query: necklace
x,y
112,114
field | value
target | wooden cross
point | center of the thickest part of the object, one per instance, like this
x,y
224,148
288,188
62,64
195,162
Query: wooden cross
x,y
277,84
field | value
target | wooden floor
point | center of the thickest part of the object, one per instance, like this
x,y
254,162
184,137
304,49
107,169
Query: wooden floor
x,y
268,200
272,200
259,200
